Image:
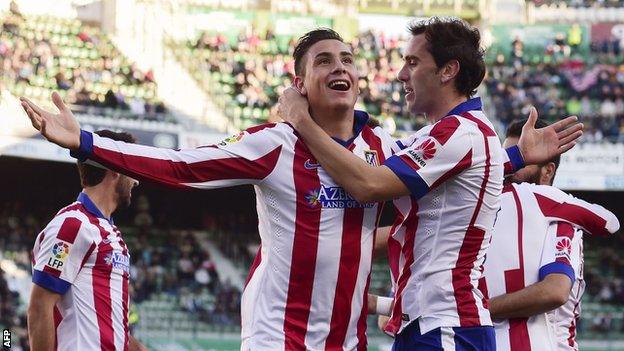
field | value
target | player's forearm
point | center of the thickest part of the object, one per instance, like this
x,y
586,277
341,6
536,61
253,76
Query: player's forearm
x,y
381,241
532,300
41,331
345,168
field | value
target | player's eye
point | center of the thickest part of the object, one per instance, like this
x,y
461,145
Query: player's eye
x,y
348,60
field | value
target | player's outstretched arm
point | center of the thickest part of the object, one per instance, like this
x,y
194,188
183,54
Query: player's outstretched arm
x,y
41,330
537,298
60,128
364,182
540,145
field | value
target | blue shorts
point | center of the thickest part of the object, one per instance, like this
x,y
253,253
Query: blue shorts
x,y
445,339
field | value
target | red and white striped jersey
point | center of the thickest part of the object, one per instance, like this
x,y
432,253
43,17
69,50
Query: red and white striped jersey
x,y
565,318
307,286
82,256
454,169
534,236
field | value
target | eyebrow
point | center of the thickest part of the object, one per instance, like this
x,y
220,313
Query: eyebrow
x,y
329,54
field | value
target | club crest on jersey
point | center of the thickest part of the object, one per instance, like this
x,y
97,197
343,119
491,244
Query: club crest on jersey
x,y
423,152
118,260
333,197
233,139
564,248
59,254
371,157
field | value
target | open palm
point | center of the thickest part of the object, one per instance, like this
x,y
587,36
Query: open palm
x,y
60,128
541,145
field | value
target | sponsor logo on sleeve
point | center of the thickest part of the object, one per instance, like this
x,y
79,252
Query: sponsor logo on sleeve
x,y
564,248
233,139
58,255
423,152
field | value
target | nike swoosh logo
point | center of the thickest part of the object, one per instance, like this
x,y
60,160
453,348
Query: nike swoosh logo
x,y
309,165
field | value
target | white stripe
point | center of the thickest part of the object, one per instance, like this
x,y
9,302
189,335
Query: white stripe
x,y
326,271
447,336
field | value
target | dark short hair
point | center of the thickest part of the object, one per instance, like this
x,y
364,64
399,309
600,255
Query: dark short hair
x,y
305,43
454,39
515,129
91,175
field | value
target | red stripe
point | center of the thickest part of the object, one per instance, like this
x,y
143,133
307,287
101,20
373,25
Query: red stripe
x,y
471,245
305,244
258,128
50,270
444,129
409,161
70,208
58,318
69,230
175,173
574,214
347,277
514,281
87,255
101,276
411,225
374,142
254,265
462,165
361,326
508,168
483,127
572,328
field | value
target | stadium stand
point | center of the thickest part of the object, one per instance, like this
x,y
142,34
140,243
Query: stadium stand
x,y
245,77
559,82
41,54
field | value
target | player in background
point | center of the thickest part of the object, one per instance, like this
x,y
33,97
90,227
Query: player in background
x,y
535,262
453,171
79,298
294,298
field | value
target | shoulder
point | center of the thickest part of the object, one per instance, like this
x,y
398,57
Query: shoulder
x,y
72,221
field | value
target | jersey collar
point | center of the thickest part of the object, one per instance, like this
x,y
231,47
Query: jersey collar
x,y
468,105
90,206
359,121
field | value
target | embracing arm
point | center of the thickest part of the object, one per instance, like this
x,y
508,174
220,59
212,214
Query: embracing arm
x,y
41,329
537,298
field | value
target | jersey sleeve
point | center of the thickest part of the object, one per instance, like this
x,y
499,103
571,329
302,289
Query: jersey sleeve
x,y
445,152
60,252
512,160
557,205
245,158
561,252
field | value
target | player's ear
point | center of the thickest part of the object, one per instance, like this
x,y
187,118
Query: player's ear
x,y
548,173
298,84
449,71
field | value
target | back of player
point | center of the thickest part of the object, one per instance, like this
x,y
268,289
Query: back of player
x,y
534,237
565,318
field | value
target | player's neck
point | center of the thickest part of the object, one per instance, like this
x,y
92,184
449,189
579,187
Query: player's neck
x,y
440,110
103,199
336,123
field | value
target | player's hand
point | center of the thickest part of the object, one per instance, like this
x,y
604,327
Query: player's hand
x,y
60,128
293,107
382,322
540,145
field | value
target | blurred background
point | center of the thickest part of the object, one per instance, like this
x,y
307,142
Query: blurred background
x,y
184,73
